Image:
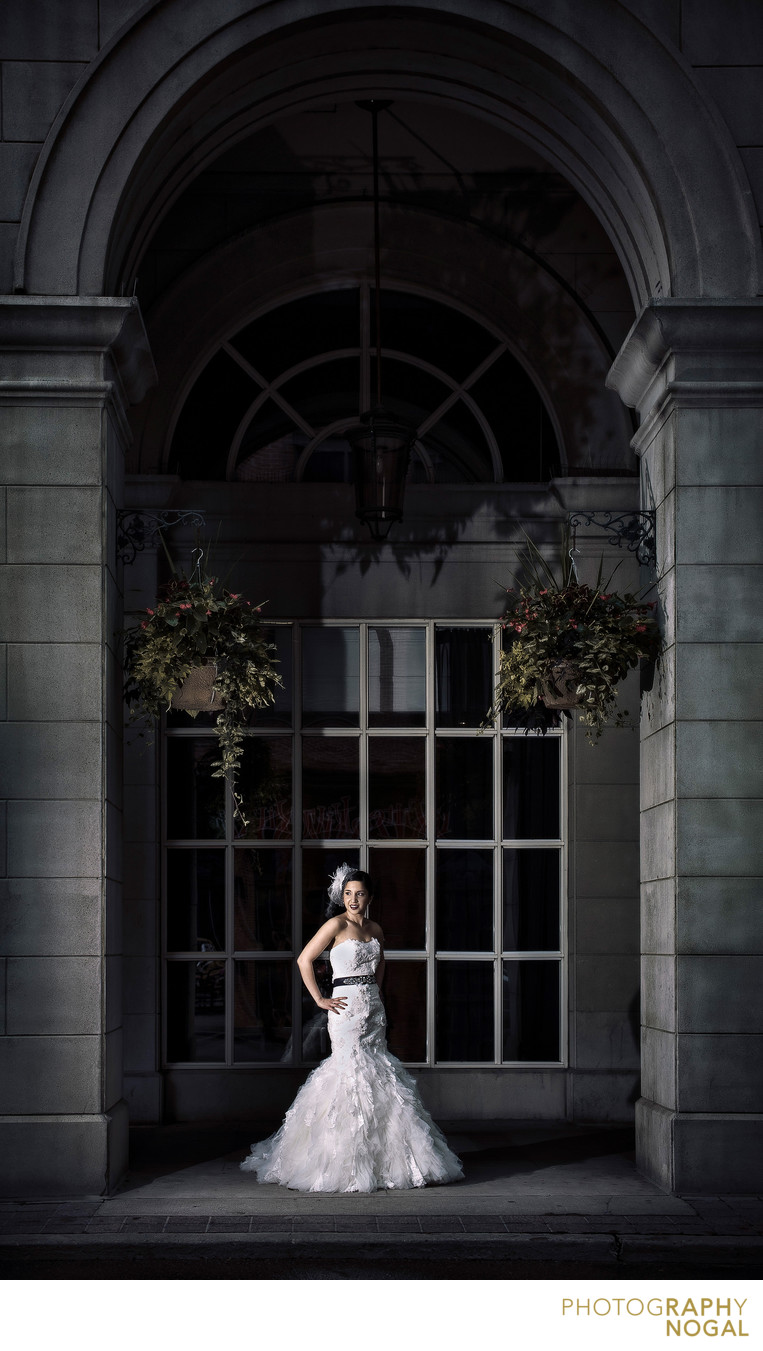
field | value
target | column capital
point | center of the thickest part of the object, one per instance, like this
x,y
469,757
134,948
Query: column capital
x,y
54,347
693,352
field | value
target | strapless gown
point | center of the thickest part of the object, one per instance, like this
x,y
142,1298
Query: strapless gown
x,y
357,1124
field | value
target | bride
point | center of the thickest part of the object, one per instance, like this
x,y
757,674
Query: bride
x,y
357,1124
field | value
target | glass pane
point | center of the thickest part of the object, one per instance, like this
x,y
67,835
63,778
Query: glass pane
x,y
279,713
262,1011
531,1010
196,1010
291,333
318,865
464,900
464,789
262,900
196,900
396,677
264,784
404,992
330,677
464,1011
399,904
531,788
458,449
396,779
195,801
463,676
330,788
531,899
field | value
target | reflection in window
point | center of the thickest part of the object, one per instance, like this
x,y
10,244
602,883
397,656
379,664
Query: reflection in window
x,y
330,788
405,999
195,801
464,900
531,900
399,904
465,1011
531,788
464,789
396,799
396,677
463,676
262,900
196,1010
330,677
531,1010
196,900
262,1010
264,785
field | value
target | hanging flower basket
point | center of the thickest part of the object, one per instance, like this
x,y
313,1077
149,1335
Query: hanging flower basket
x,y
198,692
569,646
202,649
560,687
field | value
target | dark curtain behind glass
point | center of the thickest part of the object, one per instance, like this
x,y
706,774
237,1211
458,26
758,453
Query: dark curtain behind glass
x,y
463,676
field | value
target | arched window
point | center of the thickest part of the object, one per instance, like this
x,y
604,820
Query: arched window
x,y
273,402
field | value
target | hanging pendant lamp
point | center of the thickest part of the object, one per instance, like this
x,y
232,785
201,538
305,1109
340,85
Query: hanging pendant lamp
x,y
380,443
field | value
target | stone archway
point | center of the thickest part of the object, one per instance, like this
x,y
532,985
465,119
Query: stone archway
x,y
149,114
146,117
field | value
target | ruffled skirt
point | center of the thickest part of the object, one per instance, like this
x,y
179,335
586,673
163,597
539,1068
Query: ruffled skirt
x,y
357,1124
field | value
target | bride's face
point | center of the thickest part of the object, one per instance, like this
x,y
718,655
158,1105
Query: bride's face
x,y
356,899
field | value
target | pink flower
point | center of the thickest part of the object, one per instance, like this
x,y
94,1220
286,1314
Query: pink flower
x,y
209,612
641,628
149,611
143,624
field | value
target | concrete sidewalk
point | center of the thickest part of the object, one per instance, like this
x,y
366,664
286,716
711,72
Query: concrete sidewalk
x,y
537,1200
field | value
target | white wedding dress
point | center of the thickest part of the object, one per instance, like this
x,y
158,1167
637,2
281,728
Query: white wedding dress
x,y
357,1124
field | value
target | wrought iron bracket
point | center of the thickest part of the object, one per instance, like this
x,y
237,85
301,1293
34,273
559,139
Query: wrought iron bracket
x,y
138,530
634,530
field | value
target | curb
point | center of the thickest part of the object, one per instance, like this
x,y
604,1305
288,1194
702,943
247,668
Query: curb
x,y
610,1249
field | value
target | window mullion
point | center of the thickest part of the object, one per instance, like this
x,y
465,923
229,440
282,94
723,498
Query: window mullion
x,y
363,758
296,870
431,827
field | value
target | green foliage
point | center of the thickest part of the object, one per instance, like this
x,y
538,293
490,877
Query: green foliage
x,y
195,622
602,634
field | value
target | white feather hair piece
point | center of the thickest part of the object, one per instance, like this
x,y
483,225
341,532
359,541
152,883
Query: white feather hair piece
x,y
336,886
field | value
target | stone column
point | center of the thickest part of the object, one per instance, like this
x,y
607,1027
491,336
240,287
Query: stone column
x,y
694,370
68,369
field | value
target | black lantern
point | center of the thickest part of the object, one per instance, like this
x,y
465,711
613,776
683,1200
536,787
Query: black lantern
x,y
381,448
381,445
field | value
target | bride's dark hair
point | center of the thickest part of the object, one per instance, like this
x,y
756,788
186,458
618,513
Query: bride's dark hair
x,y
344,874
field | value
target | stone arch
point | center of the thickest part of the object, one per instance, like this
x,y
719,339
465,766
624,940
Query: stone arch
x,y
545,330
147,117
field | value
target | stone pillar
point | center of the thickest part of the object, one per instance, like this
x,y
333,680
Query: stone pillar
x,y
694,370
68,369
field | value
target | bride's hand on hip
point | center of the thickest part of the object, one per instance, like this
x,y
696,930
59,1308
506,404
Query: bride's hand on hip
x,y
333,1005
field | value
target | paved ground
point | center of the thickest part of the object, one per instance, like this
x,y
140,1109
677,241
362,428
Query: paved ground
x,y
537,1202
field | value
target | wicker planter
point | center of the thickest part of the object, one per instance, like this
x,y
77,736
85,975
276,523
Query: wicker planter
x,y
197,694
560,688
